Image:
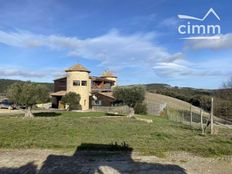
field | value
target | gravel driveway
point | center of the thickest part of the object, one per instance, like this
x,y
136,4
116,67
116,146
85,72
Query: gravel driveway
x,y
58,162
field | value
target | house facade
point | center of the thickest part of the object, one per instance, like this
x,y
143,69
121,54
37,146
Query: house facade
x,y
94,91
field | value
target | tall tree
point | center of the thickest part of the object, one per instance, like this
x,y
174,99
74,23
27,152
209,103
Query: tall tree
x,y
28,94
133,96
130,95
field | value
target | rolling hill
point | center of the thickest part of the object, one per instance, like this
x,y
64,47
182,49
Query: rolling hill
x,y
197,97
155,100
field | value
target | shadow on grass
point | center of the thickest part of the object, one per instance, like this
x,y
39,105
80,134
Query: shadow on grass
x,y
96,159
47,114
113,114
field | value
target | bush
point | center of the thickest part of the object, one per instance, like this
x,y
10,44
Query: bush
x,y
130,95
222,108
140,108
201,101
73,100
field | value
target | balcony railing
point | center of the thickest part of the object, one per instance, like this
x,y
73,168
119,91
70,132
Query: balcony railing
x,y
101,89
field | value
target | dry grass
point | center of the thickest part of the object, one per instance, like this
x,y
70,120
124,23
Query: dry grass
x,y
171,102
177,107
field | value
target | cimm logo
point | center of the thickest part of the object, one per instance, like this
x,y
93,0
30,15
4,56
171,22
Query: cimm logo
x,y
199,30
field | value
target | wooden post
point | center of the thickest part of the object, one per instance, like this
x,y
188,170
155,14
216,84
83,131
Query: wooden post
x,y
202,126
182,119
211,117
191,116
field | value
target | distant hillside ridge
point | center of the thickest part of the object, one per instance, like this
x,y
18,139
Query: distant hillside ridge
x,y
5,83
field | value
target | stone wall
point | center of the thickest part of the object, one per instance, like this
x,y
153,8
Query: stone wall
x,y
122,110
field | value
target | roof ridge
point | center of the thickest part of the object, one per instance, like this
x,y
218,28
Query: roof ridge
x,y
77,67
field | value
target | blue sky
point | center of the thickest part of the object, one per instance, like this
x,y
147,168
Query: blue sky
x,y
137,39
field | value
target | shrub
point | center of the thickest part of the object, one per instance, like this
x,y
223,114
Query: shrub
x,y
140,108
73,100
202,101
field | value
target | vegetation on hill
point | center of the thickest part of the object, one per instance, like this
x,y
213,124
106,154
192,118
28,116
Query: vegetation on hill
x,y
5,83
67,130
198,97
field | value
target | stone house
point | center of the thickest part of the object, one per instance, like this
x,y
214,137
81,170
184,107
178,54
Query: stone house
x,y
94,91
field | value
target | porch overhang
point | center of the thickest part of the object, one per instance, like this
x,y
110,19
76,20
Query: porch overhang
x,y
58,94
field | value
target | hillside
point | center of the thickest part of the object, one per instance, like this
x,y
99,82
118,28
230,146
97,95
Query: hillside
x,y
198,97
5,83
152,99
176,107
170,101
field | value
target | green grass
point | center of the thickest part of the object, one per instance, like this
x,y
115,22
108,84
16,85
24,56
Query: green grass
x,y
68,130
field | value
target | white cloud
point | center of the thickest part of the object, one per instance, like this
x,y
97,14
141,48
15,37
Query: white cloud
x,y
27,74
181,68
20,73
115,51
112,49
171,69
169,22
225,41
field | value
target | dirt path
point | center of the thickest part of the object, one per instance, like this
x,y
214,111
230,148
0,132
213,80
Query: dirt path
x,y
58,162
3,112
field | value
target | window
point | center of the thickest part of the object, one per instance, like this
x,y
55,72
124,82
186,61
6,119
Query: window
x,y
84,83
96,102
76,82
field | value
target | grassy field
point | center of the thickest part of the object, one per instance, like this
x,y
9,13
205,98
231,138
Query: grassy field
x,y
68,130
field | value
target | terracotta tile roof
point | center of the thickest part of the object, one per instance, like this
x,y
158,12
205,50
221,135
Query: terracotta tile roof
x,y
107,94
108,74
77,67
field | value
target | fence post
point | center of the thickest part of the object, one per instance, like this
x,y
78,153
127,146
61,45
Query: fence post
x,y
211,117
202,126
191,116
182,119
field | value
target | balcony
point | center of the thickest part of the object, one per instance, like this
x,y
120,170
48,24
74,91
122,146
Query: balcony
x,y
101,89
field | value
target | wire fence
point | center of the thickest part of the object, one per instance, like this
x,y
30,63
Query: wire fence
x,y
188,117
184,116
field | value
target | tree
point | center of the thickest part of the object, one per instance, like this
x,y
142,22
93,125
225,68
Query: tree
x,y
228,84
73,100
132,96
140,108
202,101
28,94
